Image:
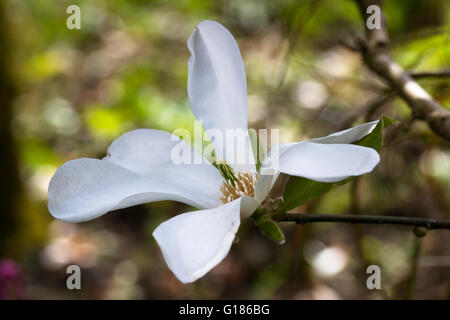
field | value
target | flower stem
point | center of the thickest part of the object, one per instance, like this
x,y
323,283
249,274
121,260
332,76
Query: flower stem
x,y
414,267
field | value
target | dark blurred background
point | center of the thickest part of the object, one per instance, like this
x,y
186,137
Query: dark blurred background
x,y
67,94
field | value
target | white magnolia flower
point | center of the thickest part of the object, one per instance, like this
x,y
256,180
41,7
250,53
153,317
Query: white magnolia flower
x,y
138,167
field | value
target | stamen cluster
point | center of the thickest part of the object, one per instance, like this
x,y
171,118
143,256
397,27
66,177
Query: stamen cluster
x,y
243,186
235,186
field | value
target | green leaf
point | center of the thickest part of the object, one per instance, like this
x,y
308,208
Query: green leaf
x,y
270,229
374,139
299,189
389,121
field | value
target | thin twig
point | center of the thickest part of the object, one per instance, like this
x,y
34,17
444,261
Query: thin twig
x,y
303,218
431,74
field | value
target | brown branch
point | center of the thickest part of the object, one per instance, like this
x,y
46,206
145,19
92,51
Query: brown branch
x,y
303,218
376,55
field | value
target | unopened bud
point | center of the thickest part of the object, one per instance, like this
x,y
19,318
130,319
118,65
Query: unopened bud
x,y
420,231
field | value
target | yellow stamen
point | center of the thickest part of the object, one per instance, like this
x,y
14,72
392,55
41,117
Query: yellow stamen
x,y
244,185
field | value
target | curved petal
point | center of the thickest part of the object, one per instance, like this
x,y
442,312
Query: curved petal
x,y
193,243
248,206
327,162
217,88
267,179
85,189
264,185
145,150
269,171
349,135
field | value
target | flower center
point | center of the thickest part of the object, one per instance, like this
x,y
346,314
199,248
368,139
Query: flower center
x,y
235,185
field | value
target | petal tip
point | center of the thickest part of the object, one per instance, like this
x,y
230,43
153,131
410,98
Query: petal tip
x,y
195,242
209,24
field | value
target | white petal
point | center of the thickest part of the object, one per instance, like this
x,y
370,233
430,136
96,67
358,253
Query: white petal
x,y
327,162
217,87
264,185
269,171
266,181
348,135
85,189
144,150
248,206
193,243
